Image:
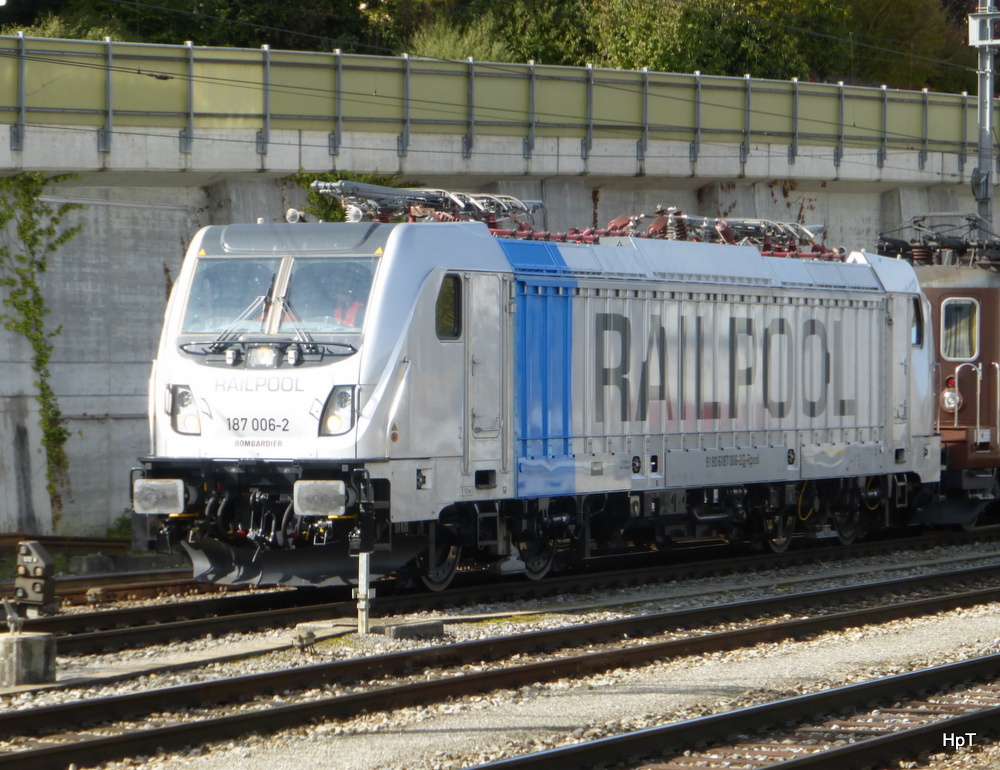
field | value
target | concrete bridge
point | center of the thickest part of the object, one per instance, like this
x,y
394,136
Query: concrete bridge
x,y
165,139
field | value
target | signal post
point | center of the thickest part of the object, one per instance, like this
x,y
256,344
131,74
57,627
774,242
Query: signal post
x,y
29,658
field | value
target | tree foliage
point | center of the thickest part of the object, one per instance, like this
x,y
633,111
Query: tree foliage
x,y
958,10
445,39
903,43
303,25
907,43
544,31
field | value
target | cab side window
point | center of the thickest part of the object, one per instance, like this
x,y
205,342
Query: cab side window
x,y
960,329
448,316
917,324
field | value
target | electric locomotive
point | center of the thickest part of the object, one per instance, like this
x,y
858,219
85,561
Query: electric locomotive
x,y
441,396
958,272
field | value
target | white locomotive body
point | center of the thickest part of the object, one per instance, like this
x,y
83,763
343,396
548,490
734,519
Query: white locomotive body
x,y
445,396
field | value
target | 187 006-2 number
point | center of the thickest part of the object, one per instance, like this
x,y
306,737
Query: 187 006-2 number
x,y
257,424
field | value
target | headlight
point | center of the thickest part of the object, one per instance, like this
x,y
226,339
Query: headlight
x,y
262,357
338,414
184,411
951,401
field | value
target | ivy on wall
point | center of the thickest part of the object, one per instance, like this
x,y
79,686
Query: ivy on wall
x,y
31,230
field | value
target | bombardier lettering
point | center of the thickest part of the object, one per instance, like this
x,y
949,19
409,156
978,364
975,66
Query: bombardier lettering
x,y
260,383
715,370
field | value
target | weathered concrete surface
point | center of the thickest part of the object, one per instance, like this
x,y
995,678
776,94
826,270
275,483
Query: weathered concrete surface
x,y
107,289
27,659
145,199
23,501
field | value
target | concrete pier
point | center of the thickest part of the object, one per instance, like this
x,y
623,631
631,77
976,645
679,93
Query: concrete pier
x,y
27,659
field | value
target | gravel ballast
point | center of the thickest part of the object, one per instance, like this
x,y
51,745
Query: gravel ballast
x,y
482,728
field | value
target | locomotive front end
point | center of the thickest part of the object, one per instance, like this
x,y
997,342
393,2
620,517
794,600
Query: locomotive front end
x,y
254,405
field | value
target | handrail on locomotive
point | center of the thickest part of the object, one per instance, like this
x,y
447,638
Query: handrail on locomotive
x,y
979,392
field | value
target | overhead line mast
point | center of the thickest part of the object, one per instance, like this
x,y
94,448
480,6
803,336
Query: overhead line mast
x,y
984,34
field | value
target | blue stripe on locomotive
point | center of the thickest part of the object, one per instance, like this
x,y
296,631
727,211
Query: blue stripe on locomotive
x,y
543,374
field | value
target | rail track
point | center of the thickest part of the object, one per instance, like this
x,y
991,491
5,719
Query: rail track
x,y
66,545
344,689
128,586
871,728
113,629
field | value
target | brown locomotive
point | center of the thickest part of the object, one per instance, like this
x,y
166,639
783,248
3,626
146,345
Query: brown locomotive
x,y
959,272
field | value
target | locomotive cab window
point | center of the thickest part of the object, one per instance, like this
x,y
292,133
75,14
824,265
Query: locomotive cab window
x,y
960,329
327,295
229,294
279,295
917,324
448,315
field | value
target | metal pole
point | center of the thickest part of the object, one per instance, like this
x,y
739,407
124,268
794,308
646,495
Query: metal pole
x,y
363,591
17,130
264,135
982,180
985,192
104,134
338,125
187,135
696,142
361,543
470,136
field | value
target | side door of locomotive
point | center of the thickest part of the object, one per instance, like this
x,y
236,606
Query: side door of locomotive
x,y
900,345
923,404
485,373
969,363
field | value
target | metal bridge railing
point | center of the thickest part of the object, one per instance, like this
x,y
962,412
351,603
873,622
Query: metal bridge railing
x,y
115,87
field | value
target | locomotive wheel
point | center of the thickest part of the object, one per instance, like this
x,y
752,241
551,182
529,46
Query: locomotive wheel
x,y
778,527
439,565
848,526
538,557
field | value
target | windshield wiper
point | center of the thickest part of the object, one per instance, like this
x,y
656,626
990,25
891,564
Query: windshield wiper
x,y
301,335
223,341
